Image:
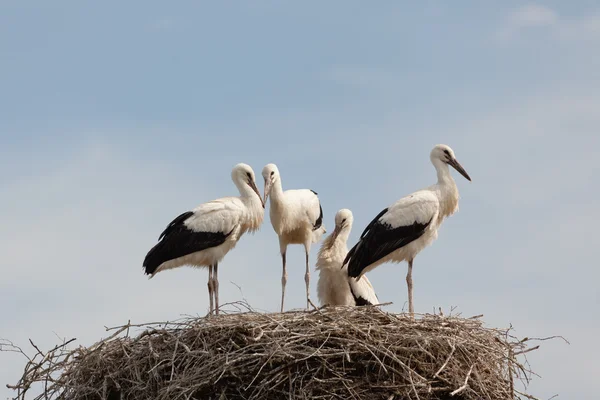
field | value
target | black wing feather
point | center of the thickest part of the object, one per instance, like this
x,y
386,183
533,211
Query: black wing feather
x,y
350,254
362,235
378,240
319,220
360,301
176,222
178,240
373,222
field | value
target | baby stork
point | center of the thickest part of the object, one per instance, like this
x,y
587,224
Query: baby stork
x,y
335,287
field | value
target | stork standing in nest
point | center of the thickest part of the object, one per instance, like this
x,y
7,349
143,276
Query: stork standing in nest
x,y
202,237
296,217
335,287
402,230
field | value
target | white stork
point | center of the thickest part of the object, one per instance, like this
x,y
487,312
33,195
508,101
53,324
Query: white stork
x,y
335,287
402,230
202,237
297,218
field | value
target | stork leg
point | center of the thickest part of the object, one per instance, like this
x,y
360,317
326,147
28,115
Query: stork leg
x,y
210,287
409,283
307,278
216,287
283,279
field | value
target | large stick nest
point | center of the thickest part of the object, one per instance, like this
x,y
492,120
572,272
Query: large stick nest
x,y
329,353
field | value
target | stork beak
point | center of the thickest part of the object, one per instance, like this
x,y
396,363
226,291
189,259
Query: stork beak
x,y
336,232
268,185
253,186
456,165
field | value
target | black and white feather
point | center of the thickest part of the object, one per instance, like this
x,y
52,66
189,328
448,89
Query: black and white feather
x,y
198,238
391,235
203,236
401,231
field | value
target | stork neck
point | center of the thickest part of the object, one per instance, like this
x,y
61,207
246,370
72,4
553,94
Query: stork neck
x,y
277,191
249,196
254,208
443,173
447,190
245,190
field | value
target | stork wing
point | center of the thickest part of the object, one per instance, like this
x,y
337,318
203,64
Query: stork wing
x,y
362,291
392,229
221,215
207,226
175,223
309,201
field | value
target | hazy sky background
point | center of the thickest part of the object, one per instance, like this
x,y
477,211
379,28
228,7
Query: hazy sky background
x,y
116,117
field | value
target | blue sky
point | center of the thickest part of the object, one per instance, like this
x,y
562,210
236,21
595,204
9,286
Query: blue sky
x,y
114,118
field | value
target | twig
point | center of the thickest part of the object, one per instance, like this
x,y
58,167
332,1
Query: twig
x,y
439,371
464,386
526,351
547,338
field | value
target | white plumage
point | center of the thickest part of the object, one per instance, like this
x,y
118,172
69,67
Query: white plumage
x,y
296,217
203,236
335,287
402,230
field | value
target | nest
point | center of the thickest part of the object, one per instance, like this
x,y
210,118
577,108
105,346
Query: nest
x,y
327,353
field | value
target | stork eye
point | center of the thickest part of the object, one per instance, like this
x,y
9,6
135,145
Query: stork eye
x,y
447,153
272,173
248,174
344,220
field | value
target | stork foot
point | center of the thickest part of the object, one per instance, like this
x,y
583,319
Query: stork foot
x,y
283,283
210,289
409,284
216,288
307,281
284,277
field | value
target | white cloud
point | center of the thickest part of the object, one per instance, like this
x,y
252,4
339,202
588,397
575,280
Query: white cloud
x,y
584,28
533,15
591,24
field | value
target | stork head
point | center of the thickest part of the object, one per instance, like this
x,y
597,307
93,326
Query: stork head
x,y
445,155
271,175
243,177
343,222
